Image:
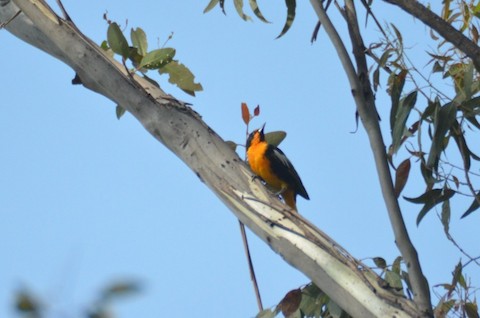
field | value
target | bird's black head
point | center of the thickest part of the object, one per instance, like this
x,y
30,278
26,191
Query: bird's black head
x,y
256,136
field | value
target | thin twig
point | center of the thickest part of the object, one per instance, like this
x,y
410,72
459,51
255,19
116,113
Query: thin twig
x,y
250,266
243,233
451,239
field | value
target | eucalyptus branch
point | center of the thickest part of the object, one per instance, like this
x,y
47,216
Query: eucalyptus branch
x,y
364,99
447,31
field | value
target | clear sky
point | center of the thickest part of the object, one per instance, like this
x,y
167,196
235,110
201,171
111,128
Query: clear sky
x,y
86,199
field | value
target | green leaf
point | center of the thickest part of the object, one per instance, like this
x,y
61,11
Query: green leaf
x,y
120,111
181,76
107,49
266,313
134,56
313,299
119,289
396,83
275,137
443,121
472,310
396,265
459,138
239,7
117,41
473,121
437,67
139,40
380,262
256,10
446,216
431,109
394,280
291,7
376,78
467,81
430,199
157,59
222,6
26,303
385,56
474,206
398,34
210,6
456,275
427,174
334,310
443,307
403,111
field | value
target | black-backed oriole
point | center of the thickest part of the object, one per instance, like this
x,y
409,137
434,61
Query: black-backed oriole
x,y
270,163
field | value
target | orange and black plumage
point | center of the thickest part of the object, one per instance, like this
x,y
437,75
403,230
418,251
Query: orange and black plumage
x,y
270,163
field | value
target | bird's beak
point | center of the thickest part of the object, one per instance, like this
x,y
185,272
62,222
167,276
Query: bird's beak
x,y
263,127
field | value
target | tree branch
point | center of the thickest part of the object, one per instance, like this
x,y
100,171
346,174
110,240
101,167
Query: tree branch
x,y
448,32
364,99
348,282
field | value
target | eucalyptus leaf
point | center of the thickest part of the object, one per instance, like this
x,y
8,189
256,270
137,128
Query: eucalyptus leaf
x,y
117,41
275,137
239,7
157,58
430,199
291,7
210,6
404,108
119,111
443,121
139,40
181,76
256,11
473,207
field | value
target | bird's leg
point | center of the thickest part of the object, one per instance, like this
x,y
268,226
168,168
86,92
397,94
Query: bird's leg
x,y
281,191
255,177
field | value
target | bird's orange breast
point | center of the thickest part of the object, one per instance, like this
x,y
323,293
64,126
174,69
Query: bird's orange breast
x,y
261,166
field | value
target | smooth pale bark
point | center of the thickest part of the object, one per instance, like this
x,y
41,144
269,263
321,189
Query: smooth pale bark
x,y
366,108
352,285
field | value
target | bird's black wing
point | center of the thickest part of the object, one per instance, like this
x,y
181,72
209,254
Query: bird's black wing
x,y
284,169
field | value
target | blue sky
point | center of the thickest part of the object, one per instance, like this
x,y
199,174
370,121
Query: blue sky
x,y
87,199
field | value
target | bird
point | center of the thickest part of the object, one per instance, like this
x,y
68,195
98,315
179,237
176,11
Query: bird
x,y
270,164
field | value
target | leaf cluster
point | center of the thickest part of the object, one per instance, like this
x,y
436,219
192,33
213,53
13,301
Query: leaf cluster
x,y
143,60
458,298
291,7
394,276
306,302
429,121
29,305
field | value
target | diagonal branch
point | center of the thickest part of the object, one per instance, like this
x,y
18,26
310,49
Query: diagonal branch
x,y
448,32
364,99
